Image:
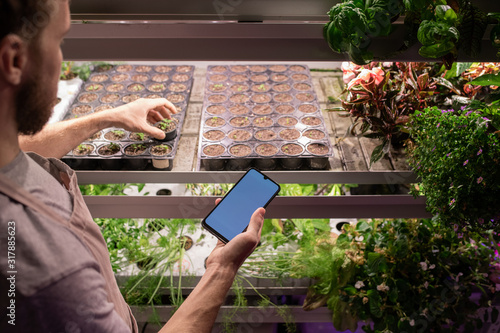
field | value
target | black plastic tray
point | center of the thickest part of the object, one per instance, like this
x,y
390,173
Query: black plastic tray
x,y
121,82
232,90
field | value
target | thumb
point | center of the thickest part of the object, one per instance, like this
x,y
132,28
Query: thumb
x,y
256,221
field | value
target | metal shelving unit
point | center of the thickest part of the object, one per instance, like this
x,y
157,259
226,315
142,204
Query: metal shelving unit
x,y
229,31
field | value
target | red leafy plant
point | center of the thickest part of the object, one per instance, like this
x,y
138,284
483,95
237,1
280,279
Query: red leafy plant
x,y
382,96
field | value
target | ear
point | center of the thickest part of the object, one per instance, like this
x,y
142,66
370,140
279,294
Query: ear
x,y
13,59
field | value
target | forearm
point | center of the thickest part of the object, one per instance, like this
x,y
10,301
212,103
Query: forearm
x,y
56,140
200,309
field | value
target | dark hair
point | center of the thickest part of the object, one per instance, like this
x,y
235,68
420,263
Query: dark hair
x,y
26,18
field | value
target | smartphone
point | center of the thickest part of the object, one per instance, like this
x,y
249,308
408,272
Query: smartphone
x,y
232,215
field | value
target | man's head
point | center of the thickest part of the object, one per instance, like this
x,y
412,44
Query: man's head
x,y
31,32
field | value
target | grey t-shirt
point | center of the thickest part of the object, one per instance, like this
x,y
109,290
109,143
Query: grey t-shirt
x,y
33,178
57,286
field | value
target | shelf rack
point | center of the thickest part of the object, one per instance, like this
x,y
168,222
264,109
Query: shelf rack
x,y
348,165
229,31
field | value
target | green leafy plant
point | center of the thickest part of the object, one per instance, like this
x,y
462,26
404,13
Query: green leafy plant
x,y
354,23
442,27
456,154
402,275
70,71
166,125
439,35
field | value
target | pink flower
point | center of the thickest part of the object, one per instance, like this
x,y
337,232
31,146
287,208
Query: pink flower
x,y
368,77
350,71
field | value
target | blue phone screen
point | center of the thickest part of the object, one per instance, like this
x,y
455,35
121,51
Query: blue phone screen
x,y
233,213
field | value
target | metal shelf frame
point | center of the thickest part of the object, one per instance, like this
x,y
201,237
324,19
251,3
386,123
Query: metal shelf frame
x,y
257,30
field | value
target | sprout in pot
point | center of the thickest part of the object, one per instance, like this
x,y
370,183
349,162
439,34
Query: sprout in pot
x,y
168,126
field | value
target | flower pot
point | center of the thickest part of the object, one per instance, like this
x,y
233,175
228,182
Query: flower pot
x,y
318,149
307,108
314,134
239,109
82,109
261,88
263,121
99,78
261,98
110,98
215,122
140,77
291,150
177,87
239,88
239,151
239,121
282,87
262,110
79,163
239,135
157,87
119,77
266,150
217,98
109,153
216,109
289,134
283,98
169,127
115,87
239,98
160,78
285,109
162,69
300,77
214,164
214,135
133,150
115,134
161,152
265,135
287,121
217,87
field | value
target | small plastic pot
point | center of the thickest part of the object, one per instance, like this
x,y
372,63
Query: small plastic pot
x,y
169,127
321,152
214,163
239,152
292,162
109,161
161,152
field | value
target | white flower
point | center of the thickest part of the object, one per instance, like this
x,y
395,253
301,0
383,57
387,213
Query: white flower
x,y
359,238
382,287
426,284
432,266
359,285
412,322
423,265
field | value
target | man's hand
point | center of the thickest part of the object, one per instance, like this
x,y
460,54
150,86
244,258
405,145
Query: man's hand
x,y
233,254
135,116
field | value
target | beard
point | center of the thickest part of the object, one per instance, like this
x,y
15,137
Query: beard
x,y
33,106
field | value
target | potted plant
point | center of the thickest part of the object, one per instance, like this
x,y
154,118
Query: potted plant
x,y
160,158
402,275
381,97
456,155
168,126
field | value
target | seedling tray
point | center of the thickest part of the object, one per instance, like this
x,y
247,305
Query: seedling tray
x,y
277,98
111,86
